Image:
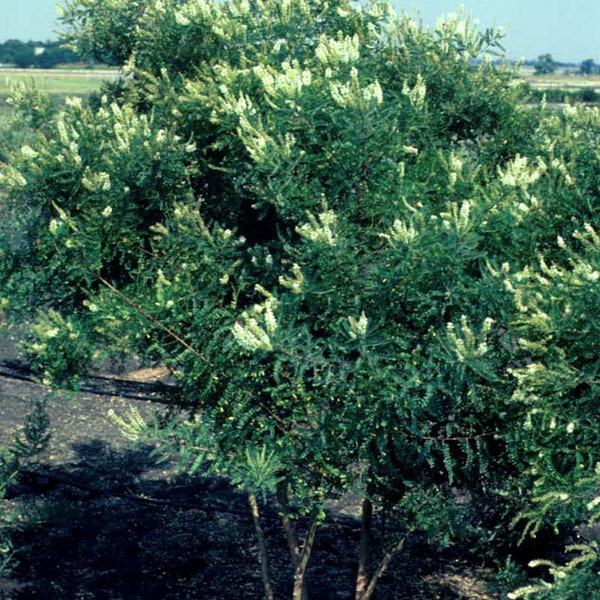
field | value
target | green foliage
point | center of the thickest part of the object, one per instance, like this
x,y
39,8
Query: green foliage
x,y
9,467
578,578
560,96
30,441
56,350
7,556
558,387
107,37
36,434
339,230
260,473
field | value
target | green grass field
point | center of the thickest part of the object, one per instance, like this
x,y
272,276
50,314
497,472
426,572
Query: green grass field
x,y
564,82
562,88
58,83
561,79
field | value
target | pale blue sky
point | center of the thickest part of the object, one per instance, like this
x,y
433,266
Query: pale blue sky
x,y
570,31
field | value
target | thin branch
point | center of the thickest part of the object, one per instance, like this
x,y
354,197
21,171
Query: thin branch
x,y
281,422
156,322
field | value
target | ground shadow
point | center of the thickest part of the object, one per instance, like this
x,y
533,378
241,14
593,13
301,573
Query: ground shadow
x,y
113,525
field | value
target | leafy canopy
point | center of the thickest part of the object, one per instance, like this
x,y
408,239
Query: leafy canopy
x,y
338,229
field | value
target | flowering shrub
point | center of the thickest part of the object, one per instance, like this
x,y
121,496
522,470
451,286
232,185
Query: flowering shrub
x,y
369,267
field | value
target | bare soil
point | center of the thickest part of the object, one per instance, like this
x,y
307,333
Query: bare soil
x,y
106,523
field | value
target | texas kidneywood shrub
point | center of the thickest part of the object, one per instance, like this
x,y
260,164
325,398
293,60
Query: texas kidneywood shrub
x,y
321,217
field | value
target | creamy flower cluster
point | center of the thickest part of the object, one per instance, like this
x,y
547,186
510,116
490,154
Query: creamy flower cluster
x,y
256,328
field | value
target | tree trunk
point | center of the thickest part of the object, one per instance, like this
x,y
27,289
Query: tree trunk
x,y
290,530
288,526
362,578
262,547
300,592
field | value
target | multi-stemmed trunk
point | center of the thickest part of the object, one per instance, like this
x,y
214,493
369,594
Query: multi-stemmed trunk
x,y
365,586
300,556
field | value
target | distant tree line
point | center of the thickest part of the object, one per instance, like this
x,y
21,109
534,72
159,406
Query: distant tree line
x,y
545,65
32,54
589,67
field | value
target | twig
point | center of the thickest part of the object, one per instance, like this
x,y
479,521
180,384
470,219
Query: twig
x,y
156,322
281,422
